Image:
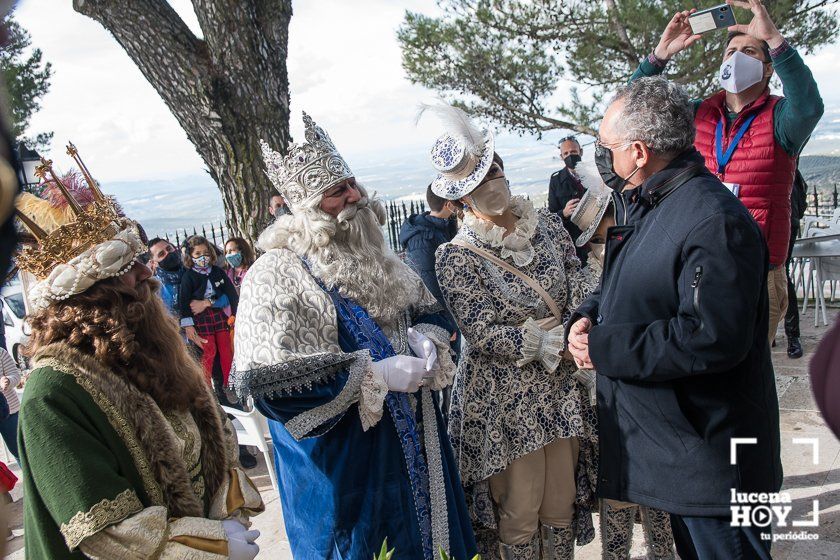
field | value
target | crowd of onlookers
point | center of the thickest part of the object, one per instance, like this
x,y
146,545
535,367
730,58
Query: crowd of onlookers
x,y
689,232
200,285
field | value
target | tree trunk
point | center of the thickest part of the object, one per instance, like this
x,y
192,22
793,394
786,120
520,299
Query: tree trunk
x,y
227,90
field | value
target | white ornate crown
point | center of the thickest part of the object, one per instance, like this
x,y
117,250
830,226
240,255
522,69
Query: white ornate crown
x,y
308,169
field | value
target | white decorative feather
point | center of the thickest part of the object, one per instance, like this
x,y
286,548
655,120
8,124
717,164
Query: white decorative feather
x,y
457,123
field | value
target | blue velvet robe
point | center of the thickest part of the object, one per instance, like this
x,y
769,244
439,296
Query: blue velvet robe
x,y
343,490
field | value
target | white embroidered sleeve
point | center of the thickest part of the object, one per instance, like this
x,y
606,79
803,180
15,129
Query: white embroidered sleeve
x,y
363,386
149,534
580,280
372,396
286,329
287,342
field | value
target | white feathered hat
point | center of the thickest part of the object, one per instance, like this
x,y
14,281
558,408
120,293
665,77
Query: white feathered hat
x,y
462,156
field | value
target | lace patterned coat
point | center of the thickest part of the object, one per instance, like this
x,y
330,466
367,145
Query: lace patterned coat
x,y
513,394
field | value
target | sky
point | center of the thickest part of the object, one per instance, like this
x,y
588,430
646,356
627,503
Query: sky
x,y
344,69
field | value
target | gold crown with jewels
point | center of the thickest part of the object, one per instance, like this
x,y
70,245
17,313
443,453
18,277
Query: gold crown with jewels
x,y
95,243
308,169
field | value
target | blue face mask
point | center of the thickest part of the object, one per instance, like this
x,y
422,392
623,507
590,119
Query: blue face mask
x,y
234,259
202,261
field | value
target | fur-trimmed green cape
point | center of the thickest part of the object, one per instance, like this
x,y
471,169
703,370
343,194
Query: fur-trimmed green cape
x,y
95,450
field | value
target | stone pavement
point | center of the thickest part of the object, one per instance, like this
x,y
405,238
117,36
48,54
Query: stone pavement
x,y
804,480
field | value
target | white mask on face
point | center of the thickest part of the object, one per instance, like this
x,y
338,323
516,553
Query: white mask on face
x,y
740,72
492,198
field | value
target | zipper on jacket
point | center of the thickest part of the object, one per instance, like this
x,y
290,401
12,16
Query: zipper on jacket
x,y
695,284
620,196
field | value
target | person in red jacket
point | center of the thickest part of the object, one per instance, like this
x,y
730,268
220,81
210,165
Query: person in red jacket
x,y
749,138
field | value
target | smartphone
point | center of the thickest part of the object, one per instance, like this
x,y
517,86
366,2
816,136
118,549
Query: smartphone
x,y
719,17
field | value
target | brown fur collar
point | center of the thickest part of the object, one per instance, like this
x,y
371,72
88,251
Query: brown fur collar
x,y
151,429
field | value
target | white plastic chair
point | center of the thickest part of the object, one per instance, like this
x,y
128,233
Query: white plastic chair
x,y
255,432
808,273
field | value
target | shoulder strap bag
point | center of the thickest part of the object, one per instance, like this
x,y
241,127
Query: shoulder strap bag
x,y
546,324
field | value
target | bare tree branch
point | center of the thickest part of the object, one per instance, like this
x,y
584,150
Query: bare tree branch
x,y
227,91
168,54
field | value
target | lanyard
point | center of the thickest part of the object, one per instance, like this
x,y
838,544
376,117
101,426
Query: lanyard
x,y
723,158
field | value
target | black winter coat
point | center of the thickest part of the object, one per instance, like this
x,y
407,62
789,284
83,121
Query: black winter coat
x,y
420,236
679,343
194,286
562,188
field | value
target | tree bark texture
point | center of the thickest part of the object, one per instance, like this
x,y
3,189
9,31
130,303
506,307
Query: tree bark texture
x,y
227,90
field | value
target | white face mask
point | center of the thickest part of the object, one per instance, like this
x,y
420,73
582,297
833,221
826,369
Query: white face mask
x,y
740,72
492,198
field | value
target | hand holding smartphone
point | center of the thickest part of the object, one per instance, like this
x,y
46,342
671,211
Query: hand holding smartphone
x,y
718,17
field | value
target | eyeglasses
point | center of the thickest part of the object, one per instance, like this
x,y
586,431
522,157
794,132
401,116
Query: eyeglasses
x,y
611,146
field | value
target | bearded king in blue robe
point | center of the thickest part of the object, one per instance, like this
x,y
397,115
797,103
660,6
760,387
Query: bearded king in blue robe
x,y
343,348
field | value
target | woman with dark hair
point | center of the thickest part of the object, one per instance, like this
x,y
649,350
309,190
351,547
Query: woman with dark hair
x,y
240,256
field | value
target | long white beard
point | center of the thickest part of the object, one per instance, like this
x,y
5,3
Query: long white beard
x,y
349,253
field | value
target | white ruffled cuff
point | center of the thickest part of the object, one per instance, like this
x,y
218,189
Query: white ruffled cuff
x,y
372,395
586,377
544,346
444,372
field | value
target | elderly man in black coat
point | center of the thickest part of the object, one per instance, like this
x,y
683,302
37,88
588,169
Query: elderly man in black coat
x,y
677,332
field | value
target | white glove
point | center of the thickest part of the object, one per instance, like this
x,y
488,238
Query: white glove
x,y
233,527
403,374
241,546
423,348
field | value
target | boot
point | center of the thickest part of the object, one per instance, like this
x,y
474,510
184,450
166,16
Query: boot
x,y
558,543
616,531
794,350
527,551
658,535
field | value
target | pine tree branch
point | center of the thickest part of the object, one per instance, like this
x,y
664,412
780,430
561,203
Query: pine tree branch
x,y
520,118
812,7
629,52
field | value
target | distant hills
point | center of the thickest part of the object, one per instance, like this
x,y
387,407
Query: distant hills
x,y
192,201
820,171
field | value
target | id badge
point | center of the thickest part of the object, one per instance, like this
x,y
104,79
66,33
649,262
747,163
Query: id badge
x,y
734,188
